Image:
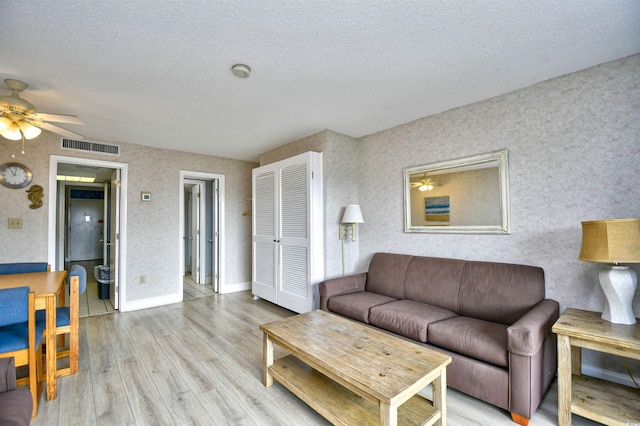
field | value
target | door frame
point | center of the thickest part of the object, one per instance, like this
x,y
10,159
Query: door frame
x,y
54,209
185,176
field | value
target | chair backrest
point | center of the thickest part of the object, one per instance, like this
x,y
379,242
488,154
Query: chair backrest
x,y
23,267
81,273
14,305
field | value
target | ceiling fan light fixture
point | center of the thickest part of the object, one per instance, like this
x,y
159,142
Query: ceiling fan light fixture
x,y
4,124
12,133
29,131
425,186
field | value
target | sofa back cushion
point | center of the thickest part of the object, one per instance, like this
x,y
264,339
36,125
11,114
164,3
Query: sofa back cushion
x,y
434,281
387,273
499,292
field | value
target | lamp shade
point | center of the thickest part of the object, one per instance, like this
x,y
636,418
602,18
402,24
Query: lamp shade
x,y
352,214
611,241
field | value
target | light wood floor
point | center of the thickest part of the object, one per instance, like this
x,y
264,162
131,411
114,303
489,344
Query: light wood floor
x,y
200,362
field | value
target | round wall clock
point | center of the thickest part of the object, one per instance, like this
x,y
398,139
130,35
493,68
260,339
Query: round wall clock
x,y
15,175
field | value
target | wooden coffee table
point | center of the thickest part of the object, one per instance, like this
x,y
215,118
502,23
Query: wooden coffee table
x,y
354,374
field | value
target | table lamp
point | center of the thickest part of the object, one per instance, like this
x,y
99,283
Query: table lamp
x,y
614,241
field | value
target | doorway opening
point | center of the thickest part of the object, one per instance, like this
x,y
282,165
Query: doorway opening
x,y
202,224
87,227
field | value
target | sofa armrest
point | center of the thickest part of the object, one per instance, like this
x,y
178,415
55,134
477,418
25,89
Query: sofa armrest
x,y
525,336
7,374
340,285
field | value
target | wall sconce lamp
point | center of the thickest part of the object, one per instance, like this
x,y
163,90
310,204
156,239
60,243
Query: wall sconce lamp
x,y
352,215
614,242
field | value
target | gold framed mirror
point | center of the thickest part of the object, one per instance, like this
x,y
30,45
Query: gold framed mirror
x,y
466,195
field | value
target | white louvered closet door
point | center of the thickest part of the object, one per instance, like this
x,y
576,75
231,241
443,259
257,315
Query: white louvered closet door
x,y
288,255
294,290
264,236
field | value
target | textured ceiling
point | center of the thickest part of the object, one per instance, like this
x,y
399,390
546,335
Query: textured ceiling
x,y
157,73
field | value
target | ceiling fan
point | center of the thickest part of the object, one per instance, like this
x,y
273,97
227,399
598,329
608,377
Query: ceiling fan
x,y
19,119
423,184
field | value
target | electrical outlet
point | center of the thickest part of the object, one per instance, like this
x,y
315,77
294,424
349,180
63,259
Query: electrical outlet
x,y
15,223
143,279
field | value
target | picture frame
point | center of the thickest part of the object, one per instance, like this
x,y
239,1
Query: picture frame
x,y
145,196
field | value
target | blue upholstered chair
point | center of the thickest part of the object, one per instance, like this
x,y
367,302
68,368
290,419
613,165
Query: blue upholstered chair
x,y
23,267
67,319
21,337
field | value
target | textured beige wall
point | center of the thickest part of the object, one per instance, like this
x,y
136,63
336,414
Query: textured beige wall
x,y
574,153
152,228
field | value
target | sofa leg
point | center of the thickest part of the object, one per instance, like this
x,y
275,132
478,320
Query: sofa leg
x,y
521,420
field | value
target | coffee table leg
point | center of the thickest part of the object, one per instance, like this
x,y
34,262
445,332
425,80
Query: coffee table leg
x,y
440,396
388,415
267,360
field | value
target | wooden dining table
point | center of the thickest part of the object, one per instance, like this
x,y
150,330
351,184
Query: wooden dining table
x,y
49,289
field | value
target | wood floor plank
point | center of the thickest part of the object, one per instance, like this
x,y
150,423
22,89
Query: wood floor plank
x,y
186,409
98,344
144,399
121,343
200,362
79,408
110,398
147,347
187,364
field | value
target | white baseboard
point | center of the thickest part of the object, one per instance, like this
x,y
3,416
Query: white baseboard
x,y
609,376
150,302
233,288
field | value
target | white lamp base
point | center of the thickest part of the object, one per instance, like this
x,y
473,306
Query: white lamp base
x,y
619,285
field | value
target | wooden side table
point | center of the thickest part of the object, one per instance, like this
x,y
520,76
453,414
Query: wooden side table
x,y
595,399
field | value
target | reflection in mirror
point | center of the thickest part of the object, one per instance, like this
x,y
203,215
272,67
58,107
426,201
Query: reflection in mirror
x,y
467,195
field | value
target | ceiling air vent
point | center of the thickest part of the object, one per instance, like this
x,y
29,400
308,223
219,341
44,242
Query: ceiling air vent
x,y
86,146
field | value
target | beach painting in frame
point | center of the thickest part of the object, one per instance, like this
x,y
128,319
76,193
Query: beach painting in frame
x,y
437,208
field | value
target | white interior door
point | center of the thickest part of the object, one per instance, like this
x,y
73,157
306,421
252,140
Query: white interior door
x,y
264,235
105,225
215,223
195,234
85,228
114,239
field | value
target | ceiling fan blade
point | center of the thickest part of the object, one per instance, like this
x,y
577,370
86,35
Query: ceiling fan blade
x,y
59,118
60,131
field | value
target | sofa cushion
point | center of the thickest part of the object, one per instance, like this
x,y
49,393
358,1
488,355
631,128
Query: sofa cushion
x,y
407,318
387,273
16,407
483,340
499,292
357,305
434,281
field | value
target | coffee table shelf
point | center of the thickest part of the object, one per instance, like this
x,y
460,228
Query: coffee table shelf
x,y
338,404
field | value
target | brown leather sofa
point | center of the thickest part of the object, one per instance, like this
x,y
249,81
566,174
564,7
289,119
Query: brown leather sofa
x,y
491,318
15,404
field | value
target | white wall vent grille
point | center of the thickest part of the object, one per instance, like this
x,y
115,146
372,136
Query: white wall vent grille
x,y
86,146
